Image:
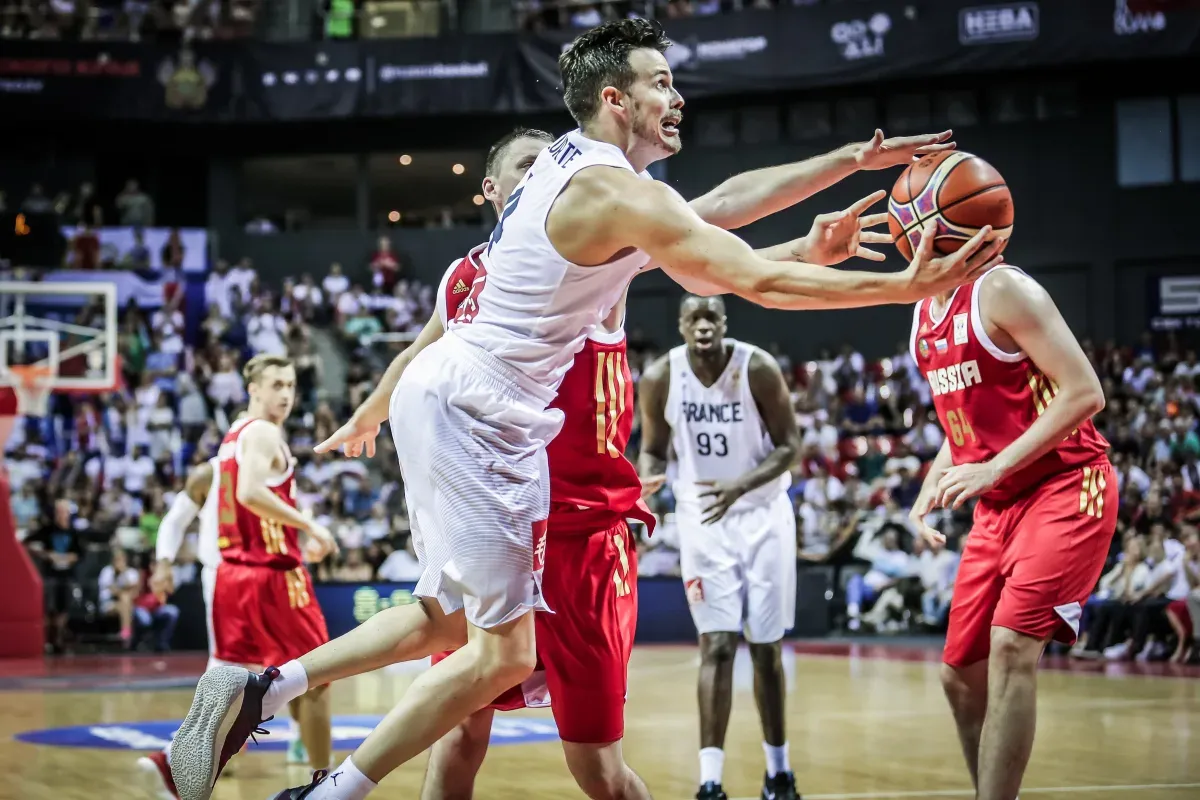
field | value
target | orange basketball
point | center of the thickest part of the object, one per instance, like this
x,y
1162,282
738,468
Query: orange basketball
x,y
961,191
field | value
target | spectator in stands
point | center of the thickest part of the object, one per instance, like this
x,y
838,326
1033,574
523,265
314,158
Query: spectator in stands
x,y
401,564
1178,612
25,509
889,564
355,569
138,256
384,266
134,206
938,568
56,549
84,249
335,284
119,586
154,614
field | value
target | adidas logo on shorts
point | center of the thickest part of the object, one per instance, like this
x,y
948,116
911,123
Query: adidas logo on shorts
x,y
460,287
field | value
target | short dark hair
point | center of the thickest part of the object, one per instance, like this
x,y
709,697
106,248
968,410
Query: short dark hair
x,y
600,58
496,151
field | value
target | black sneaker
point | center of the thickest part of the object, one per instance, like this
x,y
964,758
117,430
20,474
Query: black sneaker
x,y
780,787
300,792
711,791
226,711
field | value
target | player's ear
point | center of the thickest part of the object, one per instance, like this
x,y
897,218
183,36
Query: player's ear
x,y
490,192
614,98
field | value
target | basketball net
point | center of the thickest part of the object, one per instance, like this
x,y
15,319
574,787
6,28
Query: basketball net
x,y
32,386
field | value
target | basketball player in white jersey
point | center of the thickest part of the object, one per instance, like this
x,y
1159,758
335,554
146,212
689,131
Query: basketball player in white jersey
x,y
470,414
199,497
722,406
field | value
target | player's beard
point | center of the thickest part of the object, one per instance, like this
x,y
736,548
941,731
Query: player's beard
x,y
648,129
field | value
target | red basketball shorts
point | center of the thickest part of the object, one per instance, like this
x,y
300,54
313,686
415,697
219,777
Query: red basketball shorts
x,y
1030,563
583,647
263,617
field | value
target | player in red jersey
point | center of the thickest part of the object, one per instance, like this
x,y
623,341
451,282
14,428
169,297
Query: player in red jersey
x,y
264,608
1015,395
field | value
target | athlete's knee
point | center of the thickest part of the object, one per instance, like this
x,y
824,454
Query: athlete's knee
x,y
966,688
600,770
506,653
719,647
1014,652
766,656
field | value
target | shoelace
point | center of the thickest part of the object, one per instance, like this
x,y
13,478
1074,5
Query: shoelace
x,y
260,731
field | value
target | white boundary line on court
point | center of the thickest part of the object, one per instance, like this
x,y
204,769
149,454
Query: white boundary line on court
x,y
971,793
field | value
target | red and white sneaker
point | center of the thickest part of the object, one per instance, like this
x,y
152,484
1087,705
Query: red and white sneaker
x,y
157,773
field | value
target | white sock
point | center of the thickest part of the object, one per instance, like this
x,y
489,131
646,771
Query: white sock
x,y
344,783
712,762
291,683
777,758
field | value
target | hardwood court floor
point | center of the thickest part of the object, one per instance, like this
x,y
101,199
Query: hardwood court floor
x,y
872,725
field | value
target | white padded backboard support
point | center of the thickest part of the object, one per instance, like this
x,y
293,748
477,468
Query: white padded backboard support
x,y
40,313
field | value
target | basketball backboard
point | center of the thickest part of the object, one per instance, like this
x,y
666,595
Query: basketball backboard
x,y
69,329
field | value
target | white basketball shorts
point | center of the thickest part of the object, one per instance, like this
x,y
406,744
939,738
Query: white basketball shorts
x,y
471,434
208,583
740,572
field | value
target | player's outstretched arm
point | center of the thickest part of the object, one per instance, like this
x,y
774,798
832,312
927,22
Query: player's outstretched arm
x,y
358,435
774,403
1023,311
183,510
752,195
656,433
651,217
260,445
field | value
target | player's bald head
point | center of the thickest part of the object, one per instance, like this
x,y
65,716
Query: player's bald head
x,y
702,324
693,302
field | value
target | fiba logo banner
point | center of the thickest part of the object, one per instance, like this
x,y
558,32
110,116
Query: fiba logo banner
x,y
348,733
1127,22
859,39
1011,22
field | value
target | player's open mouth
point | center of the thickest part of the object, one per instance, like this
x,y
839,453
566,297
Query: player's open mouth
x,y
670,127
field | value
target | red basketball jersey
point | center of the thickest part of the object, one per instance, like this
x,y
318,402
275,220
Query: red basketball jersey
x,y
986,398
457,283
243,536
591,480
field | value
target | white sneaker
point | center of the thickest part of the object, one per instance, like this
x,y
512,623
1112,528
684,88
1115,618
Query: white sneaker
x,y
1117,652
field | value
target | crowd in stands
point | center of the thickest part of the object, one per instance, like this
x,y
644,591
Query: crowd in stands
x,y
127,20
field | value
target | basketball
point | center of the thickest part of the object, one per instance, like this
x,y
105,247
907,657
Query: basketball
x,y
961,191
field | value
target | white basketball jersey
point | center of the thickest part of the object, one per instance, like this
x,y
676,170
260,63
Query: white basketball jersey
x,y
529,306
208,552
716,431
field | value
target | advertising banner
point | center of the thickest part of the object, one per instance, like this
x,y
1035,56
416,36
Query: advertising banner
x,y
117,80
1174,302
752,51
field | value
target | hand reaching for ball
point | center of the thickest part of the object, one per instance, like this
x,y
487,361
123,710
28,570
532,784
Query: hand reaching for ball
x,y
881,153
841,235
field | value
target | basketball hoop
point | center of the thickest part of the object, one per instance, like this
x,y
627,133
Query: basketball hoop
x,y
32,386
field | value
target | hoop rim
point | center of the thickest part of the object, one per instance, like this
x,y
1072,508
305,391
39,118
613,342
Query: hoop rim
x,y
32,388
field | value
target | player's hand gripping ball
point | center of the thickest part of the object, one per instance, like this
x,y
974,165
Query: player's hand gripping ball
x,y
959,191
